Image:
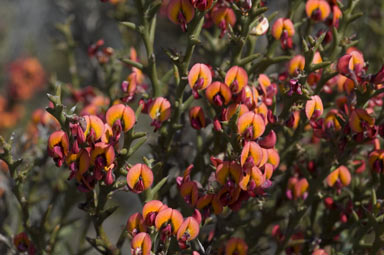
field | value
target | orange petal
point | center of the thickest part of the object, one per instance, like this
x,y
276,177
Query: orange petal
x,y
180,6
289,27
344,175
163,217
84,163
333,177
277,28
257,176
273,157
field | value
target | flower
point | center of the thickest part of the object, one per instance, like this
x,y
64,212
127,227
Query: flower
x,y
199,78
120,117
236,246
136,224
360,120
341,176
296,64
150,211
168,222
223,16
236,78
283,30
188,231
181,12
189,191
250,125
218,93
159,111
314,107
197,118
58,147
139,178
141,244
317,10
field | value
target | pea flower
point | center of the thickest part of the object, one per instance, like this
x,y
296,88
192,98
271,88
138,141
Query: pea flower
x,y
297,188
236,246
181,12
188,231
159,111
121,118
136,224
189,192
150,211
236,78
376,160
317,10
197,118
139,178
296,65
209,203
218,93
199,78
58,147
223,16
283,30
102,158
168,221
340,176
228,173
360,120
250,125
94,128
314,107
141,244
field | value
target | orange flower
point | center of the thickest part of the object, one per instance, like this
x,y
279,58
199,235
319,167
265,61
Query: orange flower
x,y
273,158
189,192
331,120
236,246
314,107
223,16
120,117
360,120
250,125
297,188
209,203
159,111
341,175
236,78
351,63
249,97
79,163
136,224
283,30
58,147
218,93
197,118
296,65
317,9
376,160
141,244
150,211
264,83
139,178
188,231
251,155
232,109
94,128
102,157
168,221
26,76
181,12
228,195
199,77
228,173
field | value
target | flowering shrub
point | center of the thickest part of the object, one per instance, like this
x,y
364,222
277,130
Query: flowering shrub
x,y
254,133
